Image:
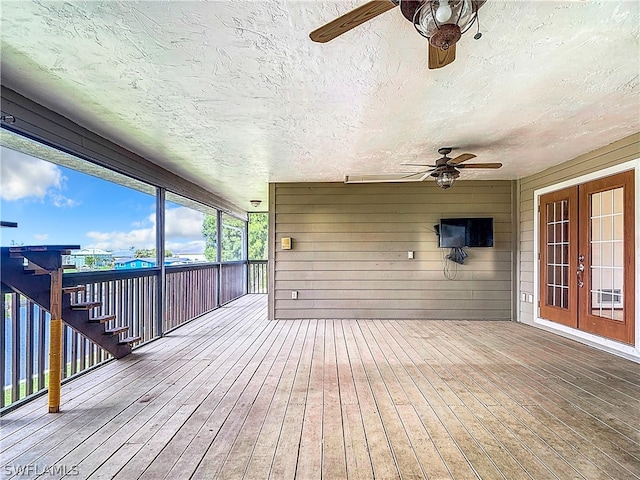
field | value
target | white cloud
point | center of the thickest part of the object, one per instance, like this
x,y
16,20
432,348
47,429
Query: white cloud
x,y
23,176
196,246
181,222
61,201
140,238
41,237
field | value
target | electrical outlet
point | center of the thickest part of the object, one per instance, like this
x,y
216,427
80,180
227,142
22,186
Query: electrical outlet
x,y
294,295
409,254
524,297
530,298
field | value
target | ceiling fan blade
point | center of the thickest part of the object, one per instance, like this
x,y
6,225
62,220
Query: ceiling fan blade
x,y
418,165
350,20
461,158
441,58
480,165
385,178
477,4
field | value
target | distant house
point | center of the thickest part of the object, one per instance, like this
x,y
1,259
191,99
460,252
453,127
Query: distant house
x,y
135,263
144,262
90,258
191,257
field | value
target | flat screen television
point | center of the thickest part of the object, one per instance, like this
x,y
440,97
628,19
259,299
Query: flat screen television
x,y
466,232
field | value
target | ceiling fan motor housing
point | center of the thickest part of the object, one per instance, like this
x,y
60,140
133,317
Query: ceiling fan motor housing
x,y
445,36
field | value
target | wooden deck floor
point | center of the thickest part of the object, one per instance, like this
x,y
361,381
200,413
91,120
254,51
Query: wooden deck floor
x,y
234,396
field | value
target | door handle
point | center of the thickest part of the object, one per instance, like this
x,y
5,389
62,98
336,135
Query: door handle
x,y
580,271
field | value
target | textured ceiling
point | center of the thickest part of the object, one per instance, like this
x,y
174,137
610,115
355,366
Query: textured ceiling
x,y
232,95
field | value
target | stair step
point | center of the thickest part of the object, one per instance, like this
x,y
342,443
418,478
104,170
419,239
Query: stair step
x,y
36,271
85,305
102,318
74,289
129,340
117,330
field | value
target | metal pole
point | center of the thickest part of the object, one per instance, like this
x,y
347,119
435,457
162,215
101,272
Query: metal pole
x,y
55,343
246,255
219,255
160,236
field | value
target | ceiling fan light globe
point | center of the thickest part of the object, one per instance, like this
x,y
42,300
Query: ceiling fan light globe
x,y
428,17
445,180
444,12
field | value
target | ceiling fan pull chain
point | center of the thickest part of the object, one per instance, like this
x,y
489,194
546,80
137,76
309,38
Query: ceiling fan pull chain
x,y
478,34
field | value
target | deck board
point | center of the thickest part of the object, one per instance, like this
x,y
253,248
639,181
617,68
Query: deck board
x,y
232,395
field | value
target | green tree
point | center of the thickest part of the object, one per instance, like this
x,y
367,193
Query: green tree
x,y
210,233
233,231
144,253
258,236
150,253
233,238
90,261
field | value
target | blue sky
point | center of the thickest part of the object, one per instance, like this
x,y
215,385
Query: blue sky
x,y
55,205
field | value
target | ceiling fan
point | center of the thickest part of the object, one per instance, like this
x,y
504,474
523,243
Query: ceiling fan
x,y
442,22
445,171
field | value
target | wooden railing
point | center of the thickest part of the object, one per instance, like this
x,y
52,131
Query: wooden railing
x,y
257,282
190,291
232,281
130,295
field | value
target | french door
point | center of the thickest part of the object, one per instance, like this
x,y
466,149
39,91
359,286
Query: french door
x,y
587,259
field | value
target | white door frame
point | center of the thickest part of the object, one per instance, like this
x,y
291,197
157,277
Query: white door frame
x,y
631,352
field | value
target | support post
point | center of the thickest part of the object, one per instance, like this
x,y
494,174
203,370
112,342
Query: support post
x,y
55,343
162,275
245,256
219,255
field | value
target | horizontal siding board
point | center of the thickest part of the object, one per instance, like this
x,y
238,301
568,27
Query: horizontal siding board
x,y
383,294
433,203
406,266
287,285
373,192
393,314
350,238
478,210
385,253
350,243
400,295
402,304
501,224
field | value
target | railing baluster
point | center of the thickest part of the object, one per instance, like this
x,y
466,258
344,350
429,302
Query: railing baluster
x,y
3,345
29,333
42,347
74,352
65,349
15,348
83,353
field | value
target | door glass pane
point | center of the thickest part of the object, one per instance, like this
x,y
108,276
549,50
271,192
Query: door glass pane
x,y
557,227
607,246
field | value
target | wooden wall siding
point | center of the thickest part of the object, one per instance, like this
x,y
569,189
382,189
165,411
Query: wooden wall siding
x,y
624,150
350,244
